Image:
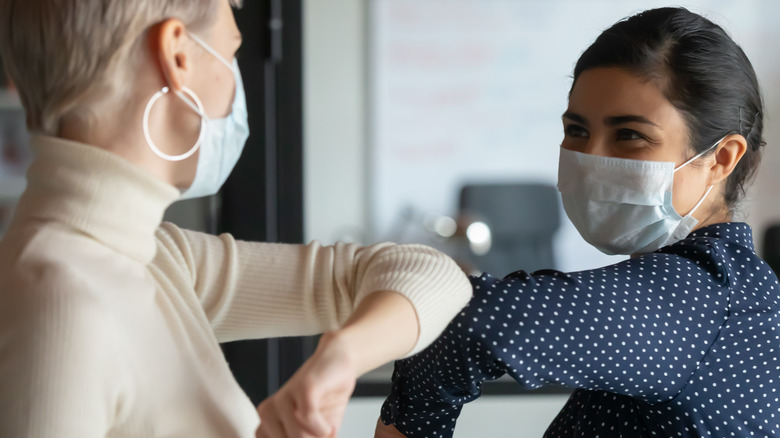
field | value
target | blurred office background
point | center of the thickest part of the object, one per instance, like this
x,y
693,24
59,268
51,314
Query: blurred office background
x,y
433,121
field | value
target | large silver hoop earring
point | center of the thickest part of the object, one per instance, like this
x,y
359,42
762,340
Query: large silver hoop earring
x,y
148,136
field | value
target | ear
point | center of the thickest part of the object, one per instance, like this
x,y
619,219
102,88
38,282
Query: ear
x,y
168,40
727,155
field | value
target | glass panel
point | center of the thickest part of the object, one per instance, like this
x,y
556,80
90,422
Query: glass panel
x,y
15,154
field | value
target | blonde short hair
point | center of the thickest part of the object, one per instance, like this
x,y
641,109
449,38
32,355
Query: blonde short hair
x,y
64,54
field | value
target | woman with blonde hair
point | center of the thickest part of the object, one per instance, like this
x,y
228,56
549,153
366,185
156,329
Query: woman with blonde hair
x,y
109,322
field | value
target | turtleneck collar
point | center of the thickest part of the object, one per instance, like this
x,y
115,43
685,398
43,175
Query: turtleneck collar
x,y
97,193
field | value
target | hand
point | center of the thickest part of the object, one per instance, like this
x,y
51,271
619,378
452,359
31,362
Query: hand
x,y
312,403
389,431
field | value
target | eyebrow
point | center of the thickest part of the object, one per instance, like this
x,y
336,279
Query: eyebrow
x,y
611,120
574,117
620,120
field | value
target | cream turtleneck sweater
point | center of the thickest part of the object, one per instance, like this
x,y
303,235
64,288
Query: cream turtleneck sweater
x,y
110,323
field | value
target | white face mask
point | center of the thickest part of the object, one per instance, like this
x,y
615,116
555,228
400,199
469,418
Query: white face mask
x,y
220,141
623,206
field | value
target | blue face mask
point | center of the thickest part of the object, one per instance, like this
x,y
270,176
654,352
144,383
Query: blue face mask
x,y
623,206
220,141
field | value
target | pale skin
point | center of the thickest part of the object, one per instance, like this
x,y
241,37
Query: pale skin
x,y
312,403
615,113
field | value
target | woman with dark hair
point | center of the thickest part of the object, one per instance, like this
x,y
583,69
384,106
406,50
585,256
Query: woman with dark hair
x,y
661,135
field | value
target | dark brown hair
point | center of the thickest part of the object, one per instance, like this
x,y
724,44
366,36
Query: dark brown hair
x,y
700,70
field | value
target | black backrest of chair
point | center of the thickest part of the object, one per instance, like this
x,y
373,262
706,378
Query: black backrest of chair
x,y
523,218
772,248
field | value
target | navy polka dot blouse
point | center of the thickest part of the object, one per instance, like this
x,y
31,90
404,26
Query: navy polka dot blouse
x,y
683,342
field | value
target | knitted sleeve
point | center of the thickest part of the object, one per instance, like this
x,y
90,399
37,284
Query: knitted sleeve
x,y
258,290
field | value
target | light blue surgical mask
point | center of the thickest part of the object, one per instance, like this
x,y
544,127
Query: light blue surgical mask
x,y
220,141
624,206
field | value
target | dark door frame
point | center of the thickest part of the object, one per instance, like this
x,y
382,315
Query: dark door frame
x,y
263,199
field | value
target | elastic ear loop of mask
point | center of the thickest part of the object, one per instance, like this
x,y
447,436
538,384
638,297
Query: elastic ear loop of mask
x,y
709,188
208,48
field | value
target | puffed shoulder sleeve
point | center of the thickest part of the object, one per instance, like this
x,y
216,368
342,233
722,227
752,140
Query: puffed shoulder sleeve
x,y
258,290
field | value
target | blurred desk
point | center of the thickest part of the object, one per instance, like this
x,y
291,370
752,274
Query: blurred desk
x,y
377,384
495,417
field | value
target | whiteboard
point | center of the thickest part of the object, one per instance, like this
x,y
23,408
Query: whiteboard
x,y
473,91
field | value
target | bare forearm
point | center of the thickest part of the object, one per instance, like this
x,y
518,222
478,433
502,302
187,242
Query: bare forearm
x,y
382,328
387,431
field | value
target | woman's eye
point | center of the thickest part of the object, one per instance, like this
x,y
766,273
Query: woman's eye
x,y
575,131
628,135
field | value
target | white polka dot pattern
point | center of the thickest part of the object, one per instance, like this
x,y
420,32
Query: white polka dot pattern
x,y
682,342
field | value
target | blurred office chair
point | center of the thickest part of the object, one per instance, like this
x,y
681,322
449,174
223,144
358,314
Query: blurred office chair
x,y
772,248
522,219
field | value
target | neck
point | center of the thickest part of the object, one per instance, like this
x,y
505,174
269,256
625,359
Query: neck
x,y
714,209
716,215
122,134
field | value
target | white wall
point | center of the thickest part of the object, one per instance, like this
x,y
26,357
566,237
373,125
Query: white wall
x,y
762,206
334,119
